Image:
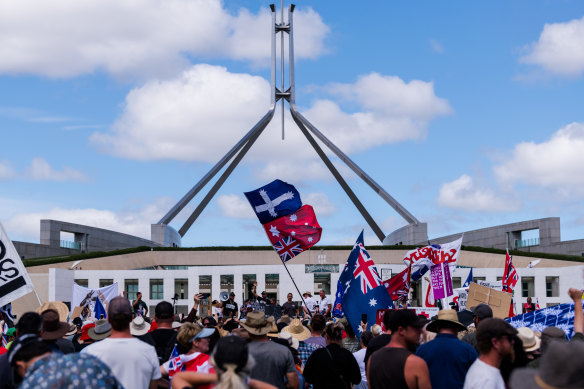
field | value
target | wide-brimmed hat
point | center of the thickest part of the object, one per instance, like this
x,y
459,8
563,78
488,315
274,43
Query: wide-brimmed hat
x,y
292,342
102,330
284,319
297,330
307,293
139,326
72,330
274,333
530,341
58,306
256,323
446,316
560,367
52,327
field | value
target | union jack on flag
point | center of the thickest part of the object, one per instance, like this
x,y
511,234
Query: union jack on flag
x,y
510,276
366,270
287,248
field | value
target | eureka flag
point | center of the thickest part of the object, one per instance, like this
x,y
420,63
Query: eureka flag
x,y
274,200
362,290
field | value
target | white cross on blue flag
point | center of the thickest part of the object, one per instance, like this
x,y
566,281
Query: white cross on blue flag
x,y
274,200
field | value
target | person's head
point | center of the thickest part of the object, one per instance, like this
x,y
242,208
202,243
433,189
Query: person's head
x,y
138,295
481,312
24,352
164,312
551,334
52,328
318,323
231,296
273,301
258,325
120,313
194,337
386,318
446,322
322,294
530,342
29,323
376,330
333,333
264,295
495,336
366,336
232,362
529,300
307,295
289,297
406,327
209,322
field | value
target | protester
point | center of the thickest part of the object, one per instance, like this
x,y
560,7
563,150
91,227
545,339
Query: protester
x,y
163,338
140,307
193,314
133,362
53,331
548,335
350,342
576,296
446,352
84,340
332,366
273,362
366,336
232,363
324,304
395,366
290,308
139,327
528,306
560,367
530,342
301,333
317,324
25,351
376,330
195,339
230,307
480,313
382,340
494,338
309,307
101,330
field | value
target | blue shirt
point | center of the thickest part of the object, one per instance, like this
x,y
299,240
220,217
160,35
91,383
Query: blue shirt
x,y
448,360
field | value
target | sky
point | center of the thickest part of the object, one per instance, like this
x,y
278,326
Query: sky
x,y
468,113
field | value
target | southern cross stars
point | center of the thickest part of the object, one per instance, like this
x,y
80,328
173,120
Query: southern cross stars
x,y
372,302
274,231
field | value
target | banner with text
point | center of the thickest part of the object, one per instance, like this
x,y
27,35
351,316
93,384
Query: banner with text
x,y
14,280
441,281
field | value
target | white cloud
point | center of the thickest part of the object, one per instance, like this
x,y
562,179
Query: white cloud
x,y
557,163
463,194
6,171
436,46
560,48
65,38
189,118
40,170
320,202
235,206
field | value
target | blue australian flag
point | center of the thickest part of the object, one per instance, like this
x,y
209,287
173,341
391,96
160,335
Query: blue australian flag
x,y
99,310
468,279
274,200
360,288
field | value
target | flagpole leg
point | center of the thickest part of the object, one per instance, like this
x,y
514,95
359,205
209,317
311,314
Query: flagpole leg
x,y
37,296
296,286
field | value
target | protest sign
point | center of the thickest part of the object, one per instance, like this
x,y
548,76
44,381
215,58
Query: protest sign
x,y
428,312
462,298
497,285
14,279
498,301
441,281
83,299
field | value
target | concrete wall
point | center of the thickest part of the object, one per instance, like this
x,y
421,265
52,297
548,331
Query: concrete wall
x,y
408,235
34,250
165,235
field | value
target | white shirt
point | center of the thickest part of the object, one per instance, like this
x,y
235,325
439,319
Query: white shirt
x,y
360,358
132,361
323,305
483,376
310,303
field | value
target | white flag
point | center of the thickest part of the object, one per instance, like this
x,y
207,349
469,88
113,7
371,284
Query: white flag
x,y
14,280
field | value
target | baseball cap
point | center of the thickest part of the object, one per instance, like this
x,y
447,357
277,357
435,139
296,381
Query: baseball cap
x,y
405,318
164,310
232,294
233,350
204,333
482,311
494,328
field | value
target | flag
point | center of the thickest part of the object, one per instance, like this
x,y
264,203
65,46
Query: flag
x,y
510,276
561,316
363,291
429,302
274,200
468,279
398,286
7,315
533,263
423,258
174,363
14,279
99,310
287,248
300,225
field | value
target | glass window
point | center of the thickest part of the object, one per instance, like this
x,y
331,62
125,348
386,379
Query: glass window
x,y
552,285
156,289
131,288
322,281
456,282
248,286
527,286
105,282
475,279
82,282
272,282
181,288
226,281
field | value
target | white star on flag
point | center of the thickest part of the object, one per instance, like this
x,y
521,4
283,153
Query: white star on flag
x,y
310,239
293,233
293,217
372,302
274,231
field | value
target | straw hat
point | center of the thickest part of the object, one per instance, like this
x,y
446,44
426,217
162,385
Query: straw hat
x,y
257,324
307,293
102,330
292,342
446,316
139,326
58,306
274,333
297,330
530,341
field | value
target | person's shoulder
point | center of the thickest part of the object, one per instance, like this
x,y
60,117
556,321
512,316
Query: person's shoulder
x,y
415,362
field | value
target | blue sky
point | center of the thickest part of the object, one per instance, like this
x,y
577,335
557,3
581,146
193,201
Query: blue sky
x,y
469,114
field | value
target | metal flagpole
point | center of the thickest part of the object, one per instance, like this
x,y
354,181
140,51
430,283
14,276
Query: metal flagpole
x,y
296,286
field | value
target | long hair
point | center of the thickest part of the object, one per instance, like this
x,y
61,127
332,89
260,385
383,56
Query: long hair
x,y
230,376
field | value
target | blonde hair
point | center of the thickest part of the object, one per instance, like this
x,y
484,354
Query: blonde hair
x,y
376,329
186,333
229,378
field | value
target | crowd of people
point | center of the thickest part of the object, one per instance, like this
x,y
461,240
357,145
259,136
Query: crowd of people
x,y
128,350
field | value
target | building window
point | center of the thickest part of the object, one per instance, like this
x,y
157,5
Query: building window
x,y
106,282
131,288
248,289
272,282
475,279
456,282
527,287
82,282
226,281
552,286
184,309
156,289
181,288
322,281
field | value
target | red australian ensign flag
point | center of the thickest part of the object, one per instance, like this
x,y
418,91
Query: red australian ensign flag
x,y
398,286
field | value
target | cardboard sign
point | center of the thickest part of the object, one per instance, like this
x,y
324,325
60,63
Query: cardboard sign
x,y
498,301
462,298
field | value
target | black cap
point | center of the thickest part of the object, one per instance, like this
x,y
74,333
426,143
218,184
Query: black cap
x,y
494,328
232,294
482,311
231,350
164,310
405,318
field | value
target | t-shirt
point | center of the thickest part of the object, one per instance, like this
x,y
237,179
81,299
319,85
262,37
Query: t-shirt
x,y
190,362
230,309
310,304
163,340
323,305
483,376
140,308
360,358
133,362
317,340
289,309
272,362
